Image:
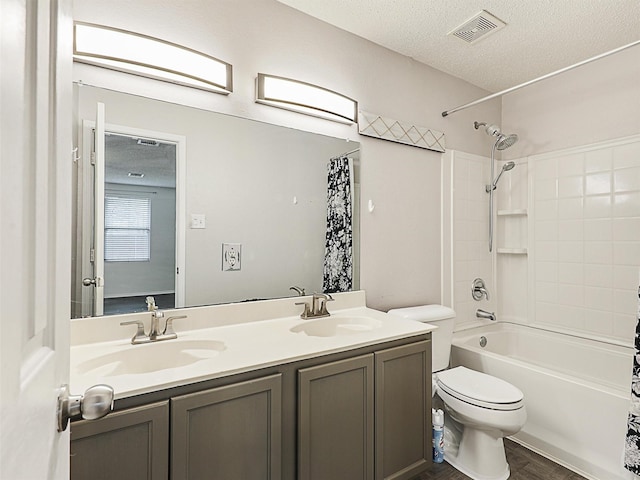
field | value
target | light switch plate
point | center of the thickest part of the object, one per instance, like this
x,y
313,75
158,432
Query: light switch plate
x,y
198,220
231,256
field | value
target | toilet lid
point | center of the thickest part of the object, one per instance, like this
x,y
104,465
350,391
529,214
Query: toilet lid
x,y
480,389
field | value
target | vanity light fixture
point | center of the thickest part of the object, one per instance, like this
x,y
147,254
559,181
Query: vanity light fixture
x,y
305,98
149,57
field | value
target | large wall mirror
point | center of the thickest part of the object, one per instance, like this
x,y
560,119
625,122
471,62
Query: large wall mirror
x,y
196,207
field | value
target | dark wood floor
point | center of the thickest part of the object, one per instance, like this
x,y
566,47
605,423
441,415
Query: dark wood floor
x,y
524,464
114,306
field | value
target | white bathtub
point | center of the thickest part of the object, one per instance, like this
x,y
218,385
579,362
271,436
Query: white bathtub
x,y
576,392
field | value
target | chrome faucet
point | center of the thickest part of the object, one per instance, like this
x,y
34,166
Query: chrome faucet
x,y
155,335
318,306
484,314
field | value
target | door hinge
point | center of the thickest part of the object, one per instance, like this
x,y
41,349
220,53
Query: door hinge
x,y
92,255
177,270
93,158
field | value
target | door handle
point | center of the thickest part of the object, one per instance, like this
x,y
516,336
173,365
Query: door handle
x,y
96,282
96,402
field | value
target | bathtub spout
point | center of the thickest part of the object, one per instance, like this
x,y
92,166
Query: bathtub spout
x,y
484,314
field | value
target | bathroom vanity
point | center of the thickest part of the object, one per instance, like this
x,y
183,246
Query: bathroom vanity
x,y
345,396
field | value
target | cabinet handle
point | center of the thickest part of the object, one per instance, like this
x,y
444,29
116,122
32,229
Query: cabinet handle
x,y
96,402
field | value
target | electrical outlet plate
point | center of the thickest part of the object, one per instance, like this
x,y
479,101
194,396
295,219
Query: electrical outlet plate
x,y
198,220
231,256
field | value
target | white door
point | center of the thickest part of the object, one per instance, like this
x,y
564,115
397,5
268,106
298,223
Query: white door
x,y
35,234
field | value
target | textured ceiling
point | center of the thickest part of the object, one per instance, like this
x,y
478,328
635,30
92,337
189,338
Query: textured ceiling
x,y
124,155
541,36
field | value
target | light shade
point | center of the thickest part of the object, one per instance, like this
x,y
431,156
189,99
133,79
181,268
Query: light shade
x,y
149,57
305,98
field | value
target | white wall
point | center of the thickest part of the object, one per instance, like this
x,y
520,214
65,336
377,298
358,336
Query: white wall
x,y
584,201
401,244
592,103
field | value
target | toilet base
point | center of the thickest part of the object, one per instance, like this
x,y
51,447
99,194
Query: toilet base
x,y
480,455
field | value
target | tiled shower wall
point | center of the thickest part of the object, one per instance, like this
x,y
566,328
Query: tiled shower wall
x,y
567,239
465,231
584,221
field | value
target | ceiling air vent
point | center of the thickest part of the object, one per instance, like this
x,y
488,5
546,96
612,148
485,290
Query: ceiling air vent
x,y
477,27
148,143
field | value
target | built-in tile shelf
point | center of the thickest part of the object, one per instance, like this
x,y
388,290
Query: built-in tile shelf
x,y
512,231
512,251
519,211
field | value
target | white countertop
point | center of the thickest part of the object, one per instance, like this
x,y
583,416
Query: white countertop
x,y
243,347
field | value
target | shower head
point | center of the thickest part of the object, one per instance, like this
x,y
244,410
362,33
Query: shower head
x,y
504,141
505,168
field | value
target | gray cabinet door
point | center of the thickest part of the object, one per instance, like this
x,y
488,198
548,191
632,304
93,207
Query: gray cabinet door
x,y
335,420
231,432
403,411
130,444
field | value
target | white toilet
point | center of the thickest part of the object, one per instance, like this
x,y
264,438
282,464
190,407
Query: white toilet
x,y
480,409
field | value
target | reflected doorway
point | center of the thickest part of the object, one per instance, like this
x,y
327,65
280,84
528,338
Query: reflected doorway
x,y
140,223
140,231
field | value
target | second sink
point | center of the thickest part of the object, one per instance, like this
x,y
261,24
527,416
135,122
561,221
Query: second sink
x,y
337,326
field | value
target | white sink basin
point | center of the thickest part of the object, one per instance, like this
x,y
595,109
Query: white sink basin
x,y
337,326
151,357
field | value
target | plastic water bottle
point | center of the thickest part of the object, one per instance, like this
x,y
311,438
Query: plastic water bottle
x,y
437,418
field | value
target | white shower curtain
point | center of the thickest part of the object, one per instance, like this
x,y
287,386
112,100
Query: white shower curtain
x,y
338,257
632,445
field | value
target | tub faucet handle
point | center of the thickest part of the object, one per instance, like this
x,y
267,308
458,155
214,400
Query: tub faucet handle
x,y
478,290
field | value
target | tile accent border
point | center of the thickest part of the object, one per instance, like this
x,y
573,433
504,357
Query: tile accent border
x,y
377,126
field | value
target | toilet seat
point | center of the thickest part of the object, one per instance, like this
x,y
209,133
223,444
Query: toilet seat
x,y
480,389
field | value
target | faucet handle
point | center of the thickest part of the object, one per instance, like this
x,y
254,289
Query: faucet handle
x,y
139,335
168,326
323,303
307,311
478,290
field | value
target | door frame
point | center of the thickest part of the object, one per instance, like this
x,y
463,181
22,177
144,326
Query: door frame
x,y
85,218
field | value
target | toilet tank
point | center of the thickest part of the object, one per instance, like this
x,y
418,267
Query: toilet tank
x,y
443,318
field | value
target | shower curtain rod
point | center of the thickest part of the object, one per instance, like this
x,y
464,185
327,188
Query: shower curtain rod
x,y
544,77
349,153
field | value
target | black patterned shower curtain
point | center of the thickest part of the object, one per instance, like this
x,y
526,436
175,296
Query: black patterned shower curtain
x,y
632,445
338,256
